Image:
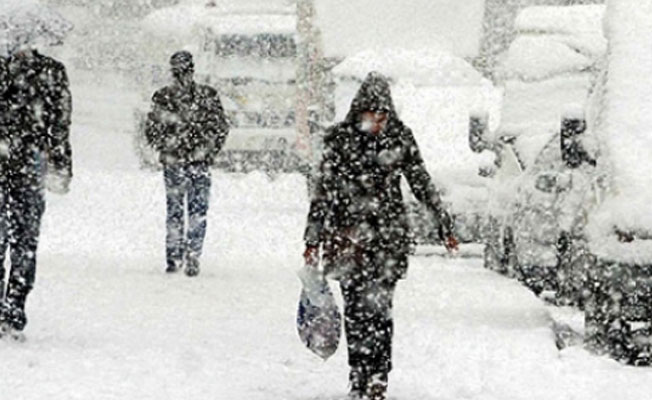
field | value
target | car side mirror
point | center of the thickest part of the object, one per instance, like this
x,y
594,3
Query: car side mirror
x,y
572,152
478,126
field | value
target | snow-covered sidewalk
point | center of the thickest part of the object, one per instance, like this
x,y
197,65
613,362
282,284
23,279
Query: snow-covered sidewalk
x,y
106,323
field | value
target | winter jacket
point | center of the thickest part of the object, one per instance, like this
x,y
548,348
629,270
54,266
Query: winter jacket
x,y
357,205
186,126
36,106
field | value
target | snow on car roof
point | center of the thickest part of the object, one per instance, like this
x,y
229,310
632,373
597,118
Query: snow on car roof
x,y
538,57
420,67
582,19
184,20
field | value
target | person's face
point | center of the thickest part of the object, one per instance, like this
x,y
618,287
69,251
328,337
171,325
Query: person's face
x,y
373,121
183,76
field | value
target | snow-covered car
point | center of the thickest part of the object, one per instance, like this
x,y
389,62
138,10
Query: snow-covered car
x,y
250,56
434,92
618,313
541,194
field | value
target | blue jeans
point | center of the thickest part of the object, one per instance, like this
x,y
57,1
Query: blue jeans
x,y
187,188
22,204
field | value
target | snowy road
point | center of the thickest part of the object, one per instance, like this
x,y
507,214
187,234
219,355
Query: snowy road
x,y
106,323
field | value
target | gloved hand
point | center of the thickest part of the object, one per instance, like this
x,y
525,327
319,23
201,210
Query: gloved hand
x,y
57,182
311,256
451,244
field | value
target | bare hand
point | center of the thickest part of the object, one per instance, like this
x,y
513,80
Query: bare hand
x,y
57,183
311,255
451,244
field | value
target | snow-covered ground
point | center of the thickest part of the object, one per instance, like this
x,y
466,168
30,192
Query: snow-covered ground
x,y
106,323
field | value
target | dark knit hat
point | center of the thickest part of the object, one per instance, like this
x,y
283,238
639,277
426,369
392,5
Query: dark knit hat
x,y
182,61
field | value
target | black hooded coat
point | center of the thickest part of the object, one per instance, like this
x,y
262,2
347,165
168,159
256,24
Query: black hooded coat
x,y
357,211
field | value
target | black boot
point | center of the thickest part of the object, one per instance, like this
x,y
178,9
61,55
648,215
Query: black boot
x,y
192,266
4,317
358,384
17,319
377,387
14,314
173,266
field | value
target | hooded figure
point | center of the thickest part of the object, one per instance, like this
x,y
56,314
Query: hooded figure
x,y
358,216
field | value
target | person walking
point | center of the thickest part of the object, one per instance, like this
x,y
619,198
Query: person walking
x,y
35,153
358,218
187,127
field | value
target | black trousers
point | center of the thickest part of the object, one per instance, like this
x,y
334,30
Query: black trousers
x,y
22,203
368,322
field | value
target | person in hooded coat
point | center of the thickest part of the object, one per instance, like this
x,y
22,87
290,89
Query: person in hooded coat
x,y
35,153
187,126
358,218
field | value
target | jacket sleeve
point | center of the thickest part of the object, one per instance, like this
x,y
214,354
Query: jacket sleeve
x,y
155,124
59,148
4,110
322,197
422,186
220,124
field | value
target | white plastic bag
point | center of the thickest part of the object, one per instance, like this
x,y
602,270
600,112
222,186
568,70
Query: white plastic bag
x,y
319,321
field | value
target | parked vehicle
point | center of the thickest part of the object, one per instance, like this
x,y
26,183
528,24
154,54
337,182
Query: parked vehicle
x,y
546,183
618,313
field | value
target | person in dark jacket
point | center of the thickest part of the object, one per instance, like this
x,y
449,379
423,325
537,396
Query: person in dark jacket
x,y
187,126
358,217
35,153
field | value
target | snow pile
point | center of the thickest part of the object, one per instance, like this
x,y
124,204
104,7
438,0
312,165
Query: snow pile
x,y
425,67
627,121
26,21
537,57
554,40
